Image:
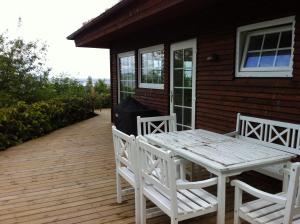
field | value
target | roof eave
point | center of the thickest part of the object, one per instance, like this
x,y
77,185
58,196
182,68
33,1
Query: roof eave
x,y
106,14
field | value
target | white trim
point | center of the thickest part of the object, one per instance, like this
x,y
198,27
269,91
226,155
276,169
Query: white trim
x,y
121,55
265,24
177,46
253,29
159,47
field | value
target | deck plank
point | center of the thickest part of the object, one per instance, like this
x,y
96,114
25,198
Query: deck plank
x,y
67,177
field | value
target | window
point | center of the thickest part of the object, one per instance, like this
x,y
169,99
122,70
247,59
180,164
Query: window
x,y
265,49
126,67
151,67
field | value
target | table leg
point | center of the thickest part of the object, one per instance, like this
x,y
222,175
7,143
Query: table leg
x,y
221,199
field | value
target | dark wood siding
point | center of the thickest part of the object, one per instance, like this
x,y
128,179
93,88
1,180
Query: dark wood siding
x,y
220,95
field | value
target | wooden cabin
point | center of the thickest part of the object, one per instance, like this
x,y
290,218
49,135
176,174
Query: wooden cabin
x,y
205,60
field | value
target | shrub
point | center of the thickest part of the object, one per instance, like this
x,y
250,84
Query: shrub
x,y
22,122
102,101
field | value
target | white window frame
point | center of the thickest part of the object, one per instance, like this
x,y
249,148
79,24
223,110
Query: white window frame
x,y
262,28
141,51
121,55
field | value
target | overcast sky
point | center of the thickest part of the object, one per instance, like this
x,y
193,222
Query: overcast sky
x,y
52,21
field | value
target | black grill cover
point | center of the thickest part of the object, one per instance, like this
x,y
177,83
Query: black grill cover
x,y
126,113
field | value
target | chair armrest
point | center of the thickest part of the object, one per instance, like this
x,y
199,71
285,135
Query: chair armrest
x,y
258,193
179,161
181,184
232,134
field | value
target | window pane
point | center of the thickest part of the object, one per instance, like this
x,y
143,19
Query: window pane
x,y
178,96
286,39
271,41
187,117
156,76
251,60
255,43
188,58
152,67
178,112
178,78
144,75
150,76
188,97
188,78
178,59
283,58
267,59
121,85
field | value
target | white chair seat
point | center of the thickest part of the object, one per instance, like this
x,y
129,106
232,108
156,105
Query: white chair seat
x,y
193,201
263,212
127,174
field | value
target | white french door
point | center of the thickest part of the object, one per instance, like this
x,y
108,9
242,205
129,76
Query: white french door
x,y
183,83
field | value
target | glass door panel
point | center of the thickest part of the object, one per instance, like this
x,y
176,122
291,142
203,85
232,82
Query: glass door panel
x,y
182,87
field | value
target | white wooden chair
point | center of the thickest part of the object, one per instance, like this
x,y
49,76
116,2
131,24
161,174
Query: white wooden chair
x,y
126,156
269,208
159,124
126,166
280,135
178,198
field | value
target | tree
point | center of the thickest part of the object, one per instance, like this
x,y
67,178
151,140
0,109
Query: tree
x,y
101,87
103,92
22,70
66,86
89,85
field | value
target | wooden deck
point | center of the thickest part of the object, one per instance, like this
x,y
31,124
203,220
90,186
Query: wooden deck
x,y
67,177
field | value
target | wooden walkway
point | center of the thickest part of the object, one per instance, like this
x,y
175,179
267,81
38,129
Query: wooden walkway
x,y
67,177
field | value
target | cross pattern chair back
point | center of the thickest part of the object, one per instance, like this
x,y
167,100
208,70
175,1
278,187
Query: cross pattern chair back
x,y
124,146
281,135
152,125
126,166
178,198
269,208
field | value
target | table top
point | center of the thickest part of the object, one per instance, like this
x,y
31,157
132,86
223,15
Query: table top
x,y
217,151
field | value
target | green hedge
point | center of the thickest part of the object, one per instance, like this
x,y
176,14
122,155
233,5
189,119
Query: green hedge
x,y
22,122
102,101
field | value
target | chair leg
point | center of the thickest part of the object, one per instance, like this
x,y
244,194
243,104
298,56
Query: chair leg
x,y
238,198
119,188
143,215
174,221
137,205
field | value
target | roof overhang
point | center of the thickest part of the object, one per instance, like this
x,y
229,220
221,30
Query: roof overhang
x,y
128,16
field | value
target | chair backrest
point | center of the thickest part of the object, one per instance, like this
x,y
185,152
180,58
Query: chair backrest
x,y
125,149
157,168
281,135
293,194
160,124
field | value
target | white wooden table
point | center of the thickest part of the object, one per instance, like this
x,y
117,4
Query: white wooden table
x,y
221,155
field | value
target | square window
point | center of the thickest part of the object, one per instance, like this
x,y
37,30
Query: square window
x,y
265,49
151,61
